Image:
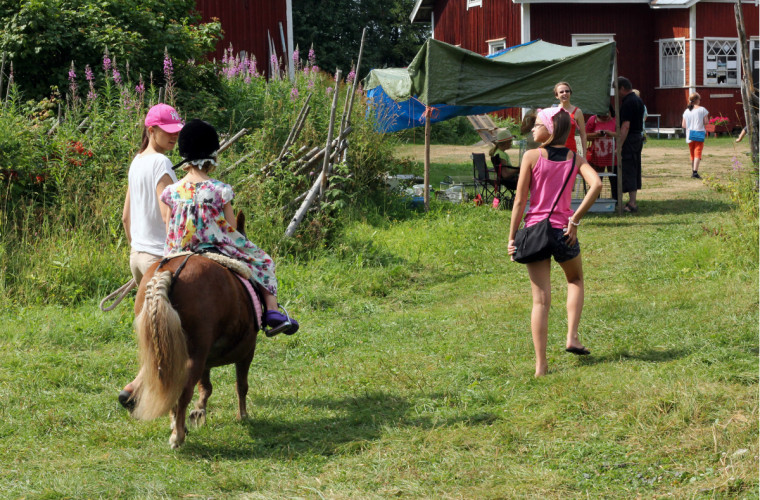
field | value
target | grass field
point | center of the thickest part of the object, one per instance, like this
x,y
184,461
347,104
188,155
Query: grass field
x,y
412,375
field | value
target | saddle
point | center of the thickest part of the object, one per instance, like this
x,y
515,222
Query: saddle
x,y
241,272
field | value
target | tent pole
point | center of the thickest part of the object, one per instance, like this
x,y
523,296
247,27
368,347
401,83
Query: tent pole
x,y
427,159
619,148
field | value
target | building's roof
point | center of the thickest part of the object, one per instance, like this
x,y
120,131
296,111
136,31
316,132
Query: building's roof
x,y
424,8
422,12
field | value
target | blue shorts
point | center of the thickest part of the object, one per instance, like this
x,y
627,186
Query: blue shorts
x,y
563,252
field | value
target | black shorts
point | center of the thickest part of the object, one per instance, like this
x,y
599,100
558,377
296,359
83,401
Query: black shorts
x,y
562,252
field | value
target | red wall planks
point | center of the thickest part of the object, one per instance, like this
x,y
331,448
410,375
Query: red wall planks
x,y
245,24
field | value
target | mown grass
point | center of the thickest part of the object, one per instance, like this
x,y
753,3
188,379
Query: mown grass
x,y
412,374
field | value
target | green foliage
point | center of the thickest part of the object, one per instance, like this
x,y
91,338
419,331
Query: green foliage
x,y
42,38
457,131
63,183
334,29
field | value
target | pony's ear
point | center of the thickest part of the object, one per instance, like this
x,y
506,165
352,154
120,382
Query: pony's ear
x,y
240,223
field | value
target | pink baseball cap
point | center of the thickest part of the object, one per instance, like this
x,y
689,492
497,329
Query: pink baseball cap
x,y
546,115
164,117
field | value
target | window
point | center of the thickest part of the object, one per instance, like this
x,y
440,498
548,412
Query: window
x,y
591,38
474,3
754,60
579,40
721,62
495,46
672,63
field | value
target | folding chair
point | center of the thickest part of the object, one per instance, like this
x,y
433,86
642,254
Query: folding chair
x,y
507,185
485,186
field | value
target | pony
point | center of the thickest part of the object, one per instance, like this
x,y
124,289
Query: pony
x,y
188,322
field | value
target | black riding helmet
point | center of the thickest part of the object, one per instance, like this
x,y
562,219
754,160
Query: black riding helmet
x,y
198,142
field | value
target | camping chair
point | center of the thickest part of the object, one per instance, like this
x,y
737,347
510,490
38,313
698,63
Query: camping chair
x,y
508,177
485,186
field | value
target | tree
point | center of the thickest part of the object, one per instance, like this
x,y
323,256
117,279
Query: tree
x,y
43,37
334,27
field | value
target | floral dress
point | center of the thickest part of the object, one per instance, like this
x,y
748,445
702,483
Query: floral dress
x,y
197,222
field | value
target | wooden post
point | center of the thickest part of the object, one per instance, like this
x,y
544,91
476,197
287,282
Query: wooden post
x,y
426,190
750,117
619,148
330,128
232,140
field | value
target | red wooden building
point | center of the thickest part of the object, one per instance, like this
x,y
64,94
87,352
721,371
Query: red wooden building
x,y
667,48
257,27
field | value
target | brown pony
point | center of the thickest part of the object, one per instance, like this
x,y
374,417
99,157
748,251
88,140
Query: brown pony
x,y
185,326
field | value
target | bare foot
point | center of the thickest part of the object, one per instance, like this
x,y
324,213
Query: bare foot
x,y
540,371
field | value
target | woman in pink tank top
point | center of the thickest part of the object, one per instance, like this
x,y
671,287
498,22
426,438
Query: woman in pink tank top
x,y
562,91
542,175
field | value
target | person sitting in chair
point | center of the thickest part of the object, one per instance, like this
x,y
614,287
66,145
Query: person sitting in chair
x,y
499,157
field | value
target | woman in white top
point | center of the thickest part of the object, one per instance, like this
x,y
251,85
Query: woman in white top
x,y
143,218
149,174
693,122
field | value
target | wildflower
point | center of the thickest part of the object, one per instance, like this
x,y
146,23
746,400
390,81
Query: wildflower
x,y
311,84
140,87
88,74
73,81
351,76
312,57
293,93
315,69
106,62
116,74
329,90
168,66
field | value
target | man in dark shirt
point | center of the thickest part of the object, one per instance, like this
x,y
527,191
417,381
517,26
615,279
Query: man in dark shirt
x,y
630,141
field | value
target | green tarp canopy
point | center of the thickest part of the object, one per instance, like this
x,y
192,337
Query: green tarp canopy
x,y
523,76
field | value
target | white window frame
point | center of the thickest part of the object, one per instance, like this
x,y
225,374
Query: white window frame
x,y
753,45
664,44
474,3
497,45
581,39
710,75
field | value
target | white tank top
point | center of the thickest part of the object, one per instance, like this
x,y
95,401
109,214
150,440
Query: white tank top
x,y
146,225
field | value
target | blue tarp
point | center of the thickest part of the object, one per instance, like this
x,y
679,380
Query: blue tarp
x,y
392,116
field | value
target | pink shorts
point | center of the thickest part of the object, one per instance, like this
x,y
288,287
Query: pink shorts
x,y
695,149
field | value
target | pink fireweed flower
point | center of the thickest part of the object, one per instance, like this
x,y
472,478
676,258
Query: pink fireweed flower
x,y
293,93
88,74
315,69
106,63
168,66
310,84
140,87
73,81
329,90
312,57
351,76
295,56
116,75
252,66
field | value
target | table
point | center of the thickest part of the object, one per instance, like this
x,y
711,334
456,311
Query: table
x,y
658,122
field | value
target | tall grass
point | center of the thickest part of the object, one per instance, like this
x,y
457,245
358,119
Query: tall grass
x,y
63,183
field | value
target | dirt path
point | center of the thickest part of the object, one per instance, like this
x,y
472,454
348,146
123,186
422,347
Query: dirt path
x,y
666,170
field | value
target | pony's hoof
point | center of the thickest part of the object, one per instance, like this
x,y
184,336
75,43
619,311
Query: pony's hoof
x,y
126,400
197,418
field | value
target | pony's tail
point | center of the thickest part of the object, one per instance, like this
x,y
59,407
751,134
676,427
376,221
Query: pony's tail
x,y
163,352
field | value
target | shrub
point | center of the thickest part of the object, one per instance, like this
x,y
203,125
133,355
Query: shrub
x,y
64,183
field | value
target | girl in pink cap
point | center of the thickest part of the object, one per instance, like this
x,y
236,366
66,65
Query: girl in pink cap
x,y
149,174
542,174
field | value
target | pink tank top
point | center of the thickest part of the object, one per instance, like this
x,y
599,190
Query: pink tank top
x,y
546,180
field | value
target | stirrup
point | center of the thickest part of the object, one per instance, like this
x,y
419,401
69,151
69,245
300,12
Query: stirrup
x,y
282,327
